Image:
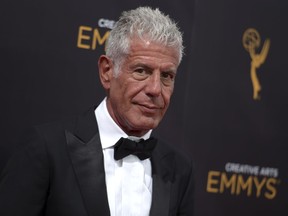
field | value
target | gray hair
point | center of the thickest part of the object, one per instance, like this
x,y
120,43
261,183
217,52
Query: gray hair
x,y
143,22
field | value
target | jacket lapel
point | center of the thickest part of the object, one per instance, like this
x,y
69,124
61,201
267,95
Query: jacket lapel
x,y
87,159
163,167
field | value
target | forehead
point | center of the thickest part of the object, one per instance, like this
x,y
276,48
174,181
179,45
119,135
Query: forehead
x,y
141,49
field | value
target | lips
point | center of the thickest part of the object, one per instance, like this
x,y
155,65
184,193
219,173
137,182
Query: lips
x,y
147,108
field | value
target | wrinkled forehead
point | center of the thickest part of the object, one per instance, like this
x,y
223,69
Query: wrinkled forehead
x,y
146,43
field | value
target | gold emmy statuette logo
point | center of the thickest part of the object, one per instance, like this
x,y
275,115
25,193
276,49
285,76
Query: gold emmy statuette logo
x,y
251,41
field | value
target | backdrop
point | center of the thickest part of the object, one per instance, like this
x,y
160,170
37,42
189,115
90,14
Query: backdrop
x,y
229,109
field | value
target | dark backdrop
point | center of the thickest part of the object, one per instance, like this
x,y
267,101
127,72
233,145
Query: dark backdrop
x,y
48,56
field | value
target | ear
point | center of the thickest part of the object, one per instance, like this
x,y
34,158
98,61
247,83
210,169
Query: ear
x,y
105,67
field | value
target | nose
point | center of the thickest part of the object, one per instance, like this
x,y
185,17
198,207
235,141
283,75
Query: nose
x,y
154,85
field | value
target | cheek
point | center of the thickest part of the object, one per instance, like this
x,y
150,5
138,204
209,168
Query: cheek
x,y
167,95
118,89
135,92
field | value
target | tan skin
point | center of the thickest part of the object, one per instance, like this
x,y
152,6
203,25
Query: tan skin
x,y
139,96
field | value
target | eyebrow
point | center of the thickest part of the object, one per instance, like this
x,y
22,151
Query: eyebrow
x,y
170,70
140,65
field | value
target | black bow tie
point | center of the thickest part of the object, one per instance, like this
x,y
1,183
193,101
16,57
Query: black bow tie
x,y
142,149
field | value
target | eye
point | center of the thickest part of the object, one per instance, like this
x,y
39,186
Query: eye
x,y
140,70
168,77
141,73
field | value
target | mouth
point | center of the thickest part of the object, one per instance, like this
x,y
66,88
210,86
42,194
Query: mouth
x,y
149,109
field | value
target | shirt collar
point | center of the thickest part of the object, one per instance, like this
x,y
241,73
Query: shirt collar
x,y
109,131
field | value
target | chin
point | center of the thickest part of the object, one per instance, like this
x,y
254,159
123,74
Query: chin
x,y
142,124
149,126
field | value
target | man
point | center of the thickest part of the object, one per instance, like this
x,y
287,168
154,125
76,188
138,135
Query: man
x,y
71,168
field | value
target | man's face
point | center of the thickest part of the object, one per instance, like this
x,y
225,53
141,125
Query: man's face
x,y
139,96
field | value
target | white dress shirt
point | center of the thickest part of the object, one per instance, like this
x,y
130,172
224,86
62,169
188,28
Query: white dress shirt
x,y
128,181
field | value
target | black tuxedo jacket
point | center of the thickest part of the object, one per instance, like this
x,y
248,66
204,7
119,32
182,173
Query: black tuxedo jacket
x,y
61,173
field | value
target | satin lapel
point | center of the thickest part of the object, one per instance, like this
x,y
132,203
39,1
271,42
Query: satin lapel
x,y
163,176
87,159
